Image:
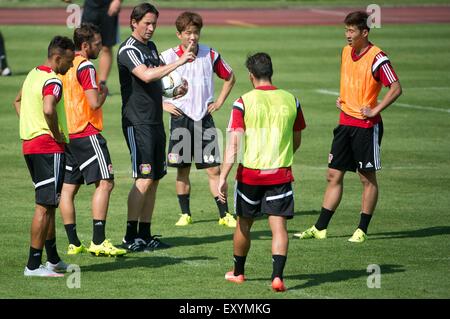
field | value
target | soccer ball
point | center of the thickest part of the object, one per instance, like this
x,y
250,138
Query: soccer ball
x,y
170,84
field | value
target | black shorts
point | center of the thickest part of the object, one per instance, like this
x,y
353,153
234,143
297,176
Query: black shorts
x,y
253,201
147,145
355,148
87,160
193,140
109,26
47,174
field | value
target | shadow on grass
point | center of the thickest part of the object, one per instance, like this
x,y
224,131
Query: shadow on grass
x,y
192,241
415,233
334,276
206,220
296,214
149,261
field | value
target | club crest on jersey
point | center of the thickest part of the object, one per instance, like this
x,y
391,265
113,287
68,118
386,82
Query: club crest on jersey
x,y
173,158
145,169
330,158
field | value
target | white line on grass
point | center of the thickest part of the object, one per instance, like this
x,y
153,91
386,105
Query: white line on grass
x,y
327,92
428,88
405,105
419,107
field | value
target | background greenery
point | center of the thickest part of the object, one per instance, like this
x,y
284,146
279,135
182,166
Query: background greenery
x,y
408,237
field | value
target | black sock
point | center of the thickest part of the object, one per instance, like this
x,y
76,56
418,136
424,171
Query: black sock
x,y
3,63
34,259
99,231
132,226
71,231
324,219
52,253
144,231
239,264
223,207
278,262
364,222
183,200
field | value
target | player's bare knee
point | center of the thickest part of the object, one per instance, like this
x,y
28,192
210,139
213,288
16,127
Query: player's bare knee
x,y
369,183
69,190
334,177
144,184
44,210
106,185
368,179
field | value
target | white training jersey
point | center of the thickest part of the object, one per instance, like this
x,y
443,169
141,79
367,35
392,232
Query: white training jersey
x,y
199,75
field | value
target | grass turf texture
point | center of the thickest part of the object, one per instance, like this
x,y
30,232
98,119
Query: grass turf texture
x,y
408,236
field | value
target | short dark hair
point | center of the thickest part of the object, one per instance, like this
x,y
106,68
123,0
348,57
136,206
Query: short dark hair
x,y
58,45
188,18
140,11
358,19
84,33
260,65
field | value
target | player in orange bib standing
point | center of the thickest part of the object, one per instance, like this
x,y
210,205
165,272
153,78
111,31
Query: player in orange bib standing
x,y
87,156
365,68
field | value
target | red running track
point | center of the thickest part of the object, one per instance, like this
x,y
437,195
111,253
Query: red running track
x,y
242,17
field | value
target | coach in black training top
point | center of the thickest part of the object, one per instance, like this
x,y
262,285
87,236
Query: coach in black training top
x,y
140,72
141,101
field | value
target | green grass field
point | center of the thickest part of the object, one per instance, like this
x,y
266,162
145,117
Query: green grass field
x,y
408,237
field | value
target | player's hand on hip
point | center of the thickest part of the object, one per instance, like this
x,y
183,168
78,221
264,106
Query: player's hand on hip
x,y
367,112
223,190
172,109
339,103
212,107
